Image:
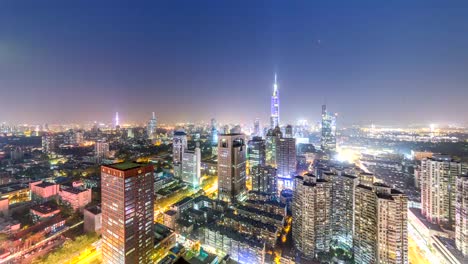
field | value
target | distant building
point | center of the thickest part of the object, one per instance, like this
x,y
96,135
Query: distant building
x,y
4,206
48,144
256,154
127,212
328,135
461,215
311,208
264,180
151,128
92,217
101,150
275,107
257,130
231,166
381,225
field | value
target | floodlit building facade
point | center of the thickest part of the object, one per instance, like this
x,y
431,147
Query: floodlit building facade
x,y
461,215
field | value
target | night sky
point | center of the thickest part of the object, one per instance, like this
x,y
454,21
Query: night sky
x,y
392,63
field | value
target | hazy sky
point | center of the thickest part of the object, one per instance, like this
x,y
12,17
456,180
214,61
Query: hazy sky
x,y
386,63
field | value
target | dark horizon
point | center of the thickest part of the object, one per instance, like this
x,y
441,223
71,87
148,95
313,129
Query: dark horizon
x,y
401,64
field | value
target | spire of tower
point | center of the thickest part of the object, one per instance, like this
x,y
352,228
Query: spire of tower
x,y
275,86
154,117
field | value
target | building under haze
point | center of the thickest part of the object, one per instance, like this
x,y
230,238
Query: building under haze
x,y
101,150
272,139
380,224
461,214
286,157
231,166
311,220
275,107
151,128
438,176
328,134
127,213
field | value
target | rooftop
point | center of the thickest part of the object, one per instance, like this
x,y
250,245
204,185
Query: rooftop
x,y
45,208
96,209
126,165
45,184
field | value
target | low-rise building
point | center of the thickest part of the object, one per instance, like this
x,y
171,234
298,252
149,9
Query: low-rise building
x,y
78,198
92,217
42,191
44,211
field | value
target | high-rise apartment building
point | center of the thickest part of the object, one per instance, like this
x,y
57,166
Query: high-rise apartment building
x,y
328,135
127,212
231,166
311,208
264,180
191,166
343,188
438,175
256,152
380,225
461,214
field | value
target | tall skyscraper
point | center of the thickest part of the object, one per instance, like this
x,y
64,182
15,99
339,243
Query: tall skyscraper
x,y
256,152
343,188
179,145
231,166
311,208
328,137
191,166
286,157
380,225
438,175
117,121
257,131
127,212
275,111
461,214
214,132
151,128
264,180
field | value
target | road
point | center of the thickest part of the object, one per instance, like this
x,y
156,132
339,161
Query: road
x,y
21,253
415,256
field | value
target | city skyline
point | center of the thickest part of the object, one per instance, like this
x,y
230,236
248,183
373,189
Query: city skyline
x,y
369,64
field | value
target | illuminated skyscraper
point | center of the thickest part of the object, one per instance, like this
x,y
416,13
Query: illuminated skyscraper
x,y
151,128
231,166
127,213
272,139
311,208
328,137
117,121
214,132
179,145
191,166
461,215
438,175
256,152
101,150
286,157
380,225
275,111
